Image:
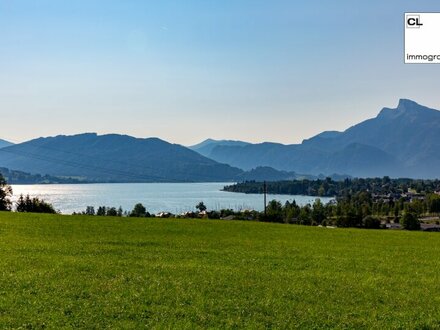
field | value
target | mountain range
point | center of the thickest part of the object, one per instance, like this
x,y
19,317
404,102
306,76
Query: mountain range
x,y
404,141
400,142
4,143
206,147
113,158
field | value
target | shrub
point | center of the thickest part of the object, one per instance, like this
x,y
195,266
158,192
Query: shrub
x,y
214,215
410,221
371,222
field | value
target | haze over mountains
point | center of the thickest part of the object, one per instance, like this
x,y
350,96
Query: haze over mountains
x,y
205,148
398,142
401,142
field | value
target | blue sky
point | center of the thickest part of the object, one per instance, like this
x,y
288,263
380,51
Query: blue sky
x,y
188,70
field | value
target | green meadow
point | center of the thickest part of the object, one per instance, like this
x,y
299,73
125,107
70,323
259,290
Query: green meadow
x,y
102,272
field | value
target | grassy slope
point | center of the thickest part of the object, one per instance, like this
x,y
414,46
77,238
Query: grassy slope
x,y
108,272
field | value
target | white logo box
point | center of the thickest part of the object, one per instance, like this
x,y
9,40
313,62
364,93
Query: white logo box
x,y
422,38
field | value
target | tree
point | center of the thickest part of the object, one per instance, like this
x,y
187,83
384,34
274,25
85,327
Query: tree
x,y
433,203
201,207
90,210
120,212
291,211
305,215
102,211
112,212
410,221
139,211
318,212
274,212
21,204
34,205
5,194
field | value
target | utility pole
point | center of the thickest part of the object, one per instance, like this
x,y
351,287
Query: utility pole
x,y
264,192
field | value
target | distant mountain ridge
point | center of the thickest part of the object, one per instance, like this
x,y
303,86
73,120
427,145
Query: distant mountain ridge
x,y
205,148
114,158
404,141
4,143
119,158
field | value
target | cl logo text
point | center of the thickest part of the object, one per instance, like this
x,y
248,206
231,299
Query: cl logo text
x,y
413,22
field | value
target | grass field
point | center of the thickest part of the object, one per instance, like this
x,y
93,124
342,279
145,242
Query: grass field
x,y
93,272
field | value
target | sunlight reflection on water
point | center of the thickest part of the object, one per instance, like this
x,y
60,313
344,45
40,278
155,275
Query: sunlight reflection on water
x,y
156,197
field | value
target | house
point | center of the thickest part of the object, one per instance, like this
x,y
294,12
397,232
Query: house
x,y
203,214
393,226
430,227
164,215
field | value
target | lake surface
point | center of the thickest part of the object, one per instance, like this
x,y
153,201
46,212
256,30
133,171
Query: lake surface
x,y
156,197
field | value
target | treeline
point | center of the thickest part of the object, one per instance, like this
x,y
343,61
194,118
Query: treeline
x,y
138,211
23,204
357,210
33,205
19,177
331,188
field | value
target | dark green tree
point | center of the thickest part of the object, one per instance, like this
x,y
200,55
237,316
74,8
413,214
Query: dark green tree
x,y
90,210
5,194
33,205
21,204
201,207
120,212
305,215
433,201
138,211
274,212
410,221
291,211
102,211
318,212
112,212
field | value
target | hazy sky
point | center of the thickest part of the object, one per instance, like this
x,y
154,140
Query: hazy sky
x,y
188,70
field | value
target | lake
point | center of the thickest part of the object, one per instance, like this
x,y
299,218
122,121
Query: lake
x,y
156,197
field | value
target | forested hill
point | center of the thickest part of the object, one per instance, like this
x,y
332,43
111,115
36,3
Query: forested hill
x,y
20,177
121,158
114,158
331,188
